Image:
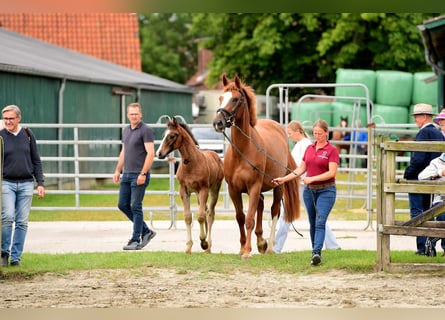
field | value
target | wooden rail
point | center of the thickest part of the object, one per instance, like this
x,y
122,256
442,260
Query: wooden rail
x,y
387,187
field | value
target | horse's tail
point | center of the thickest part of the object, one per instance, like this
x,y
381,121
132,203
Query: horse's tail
x,y
291,194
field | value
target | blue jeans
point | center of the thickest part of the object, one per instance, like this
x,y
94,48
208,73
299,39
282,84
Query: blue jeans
x,y
16,204
130,203
319,204
419,203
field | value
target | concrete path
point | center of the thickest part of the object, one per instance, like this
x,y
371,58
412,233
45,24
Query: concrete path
x,y
73,237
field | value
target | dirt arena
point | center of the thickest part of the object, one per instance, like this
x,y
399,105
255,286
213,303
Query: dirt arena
x,y
150,287
165,288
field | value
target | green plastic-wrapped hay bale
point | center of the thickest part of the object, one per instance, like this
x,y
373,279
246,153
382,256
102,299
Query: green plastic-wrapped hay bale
x,y
424,92
394,88
308,112
390,114
365,77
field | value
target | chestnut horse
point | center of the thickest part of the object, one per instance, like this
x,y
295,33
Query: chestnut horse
x,y
258,152
200,171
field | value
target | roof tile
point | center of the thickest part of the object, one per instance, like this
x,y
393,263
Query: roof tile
x,y
113,37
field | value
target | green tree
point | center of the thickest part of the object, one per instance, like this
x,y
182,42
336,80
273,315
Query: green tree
x,y
268,48
167,49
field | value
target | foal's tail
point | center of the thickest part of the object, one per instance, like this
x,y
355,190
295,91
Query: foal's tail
x,y
291,193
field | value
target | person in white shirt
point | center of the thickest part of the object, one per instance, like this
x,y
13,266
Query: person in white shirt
x,y
296,132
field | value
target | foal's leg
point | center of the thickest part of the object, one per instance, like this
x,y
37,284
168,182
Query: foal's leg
x,y
185,196
202,217
214,193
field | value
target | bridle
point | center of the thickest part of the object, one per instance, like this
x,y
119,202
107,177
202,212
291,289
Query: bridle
x,y
229,117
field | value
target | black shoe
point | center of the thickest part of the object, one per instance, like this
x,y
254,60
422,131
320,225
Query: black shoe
x,y
316,259
146,238
430,247
15,264
419,253
5,259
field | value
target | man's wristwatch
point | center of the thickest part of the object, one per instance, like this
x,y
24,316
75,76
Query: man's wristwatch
x,y
142,174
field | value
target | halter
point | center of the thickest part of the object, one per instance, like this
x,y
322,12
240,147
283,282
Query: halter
x,y
229,117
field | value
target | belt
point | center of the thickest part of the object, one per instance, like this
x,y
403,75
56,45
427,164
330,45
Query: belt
x,y
321,185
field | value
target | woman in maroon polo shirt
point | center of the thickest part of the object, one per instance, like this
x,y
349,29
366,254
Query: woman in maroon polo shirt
x,y
320,162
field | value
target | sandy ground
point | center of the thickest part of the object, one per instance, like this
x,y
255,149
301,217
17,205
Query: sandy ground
x,y
159,288
150,287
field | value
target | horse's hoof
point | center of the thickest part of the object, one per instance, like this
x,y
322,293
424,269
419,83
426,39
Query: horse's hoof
x,y
262,248
204,245
246,257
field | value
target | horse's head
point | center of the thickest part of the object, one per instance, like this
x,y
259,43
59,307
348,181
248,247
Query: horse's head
x,y
173,137
343,122
236,98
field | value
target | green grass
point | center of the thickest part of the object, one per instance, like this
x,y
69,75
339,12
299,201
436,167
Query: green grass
x,y
351,261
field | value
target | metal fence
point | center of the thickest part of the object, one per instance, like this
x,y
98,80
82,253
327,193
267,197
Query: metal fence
x,y
78,175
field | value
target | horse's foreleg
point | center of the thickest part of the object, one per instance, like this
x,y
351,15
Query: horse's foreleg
x,y
185,196
202,218
261,242
254,200
240,217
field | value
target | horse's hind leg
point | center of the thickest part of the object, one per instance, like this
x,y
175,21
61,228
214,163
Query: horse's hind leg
x,y
275,212
261,242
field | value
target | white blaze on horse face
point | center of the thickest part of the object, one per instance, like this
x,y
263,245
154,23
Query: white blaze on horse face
x,y
227,96
167,132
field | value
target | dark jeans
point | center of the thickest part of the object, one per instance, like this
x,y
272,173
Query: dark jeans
x,y
419,203
130,203
441,217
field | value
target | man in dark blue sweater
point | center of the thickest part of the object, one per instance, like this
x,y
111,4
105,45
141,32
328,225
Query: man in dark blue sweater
x,y
21,165
418,203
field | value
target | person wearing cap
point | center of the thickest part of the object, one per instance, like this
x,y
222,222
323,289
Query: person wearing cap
x,y
436,171
418,203
440,120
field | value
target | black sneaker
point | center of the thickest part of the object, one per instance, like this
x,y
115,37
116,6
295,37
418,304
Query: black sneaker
x,y
15,264
146,238
430,247
5,259
316,259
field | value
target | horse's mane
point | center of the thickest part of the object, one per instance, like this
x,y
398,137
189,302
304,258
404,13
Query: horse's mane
x,y
185,127
238,84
